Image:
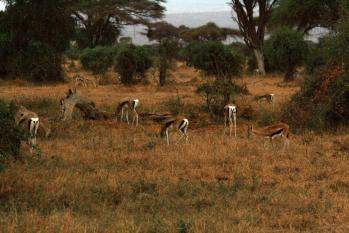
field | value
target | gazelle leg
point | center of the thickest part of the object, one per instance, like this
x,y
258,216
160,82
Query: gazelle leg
x,y
167,137
225,123
122,114
235,124
181,137
230,126
128,122
136,118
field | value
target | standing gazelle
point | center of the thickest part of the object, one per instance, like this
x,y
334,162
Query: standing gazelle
x,y
271,132
229,117
182,129
124,106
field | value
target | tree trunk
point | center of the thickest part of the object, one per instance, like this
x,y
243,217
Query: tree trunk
x,y
86,106
260,61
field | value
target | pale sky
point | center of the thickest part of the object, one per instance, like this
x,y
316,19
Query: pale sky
x,y
188,6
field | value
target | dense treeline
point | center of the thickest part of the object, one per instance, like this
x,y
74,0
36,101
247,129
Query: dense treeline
x,y
35,33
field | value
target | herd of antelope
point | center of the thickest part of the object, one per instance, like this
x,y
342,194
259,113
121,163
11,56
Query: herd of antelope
x,y
30,121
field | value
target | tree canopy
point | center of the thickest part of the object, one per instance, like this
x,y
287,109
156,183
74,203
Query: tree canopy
x,y
305,15
99,21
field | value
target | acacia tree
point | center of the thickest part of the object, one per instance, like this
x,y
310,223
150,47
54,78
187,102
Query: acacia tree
x,y
100,21
304,15
33,36
286,49
168,46
207,32
252,27
216,60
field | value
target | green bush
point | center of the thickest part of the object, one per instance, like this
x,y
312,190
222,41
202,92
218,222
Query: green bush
x,y
132,61
98,59
323,101
10,134
73,53
285,50
214,58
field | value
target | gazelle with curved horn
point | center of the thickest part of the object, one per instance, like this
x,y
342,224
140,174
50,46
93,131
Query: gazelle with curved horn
x,y
124,106
271,132
229,117
181,125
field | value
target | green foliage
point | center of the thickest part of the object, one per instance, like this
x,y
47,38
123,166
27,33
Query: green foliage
x,y
183,226
28,48
131,61
73,53
285,50
306,14
213,58
323,101
98,59
10,134
167,48
99,23
208,32
218,60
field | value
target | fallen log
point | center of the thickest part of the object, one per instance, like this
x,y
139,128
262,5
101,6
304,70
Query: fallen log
x,y
85,105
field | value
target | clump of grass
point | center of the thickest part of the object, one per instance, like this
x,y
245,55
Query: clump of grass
x,y
183,226
175,105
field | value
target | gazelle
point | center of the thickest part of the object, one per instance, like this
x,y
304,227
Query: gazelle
x,y
30,122
124,106
182,127
271,132
229,117
266,97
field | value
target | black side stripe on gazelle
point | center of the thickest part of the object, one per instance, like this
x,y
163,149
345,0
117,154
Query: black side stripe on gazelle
x,y
277,132
182,125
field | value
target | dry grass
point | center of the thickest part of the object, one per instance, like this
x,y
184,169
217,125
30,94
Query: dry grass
x,y
107,177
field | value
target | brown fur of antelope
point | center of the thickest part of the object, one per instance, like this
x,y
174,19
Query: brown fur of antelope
x,y
181,125
271,132
265,97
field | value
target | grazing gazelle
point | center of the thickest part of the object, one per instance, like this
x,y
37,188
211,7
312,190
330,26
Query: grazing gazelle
x,y
229,117
30,122
182,127
266,97
124,106
271,132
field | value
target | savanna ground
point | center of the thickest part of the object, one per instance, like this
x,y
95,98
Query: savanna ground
x,y
107,177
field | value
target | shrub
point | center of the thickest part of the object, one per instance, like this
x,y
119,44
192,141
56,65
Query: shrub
x,y
73,53
214,58
323,101
219,61
98,59
10,134
132,61
286,49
